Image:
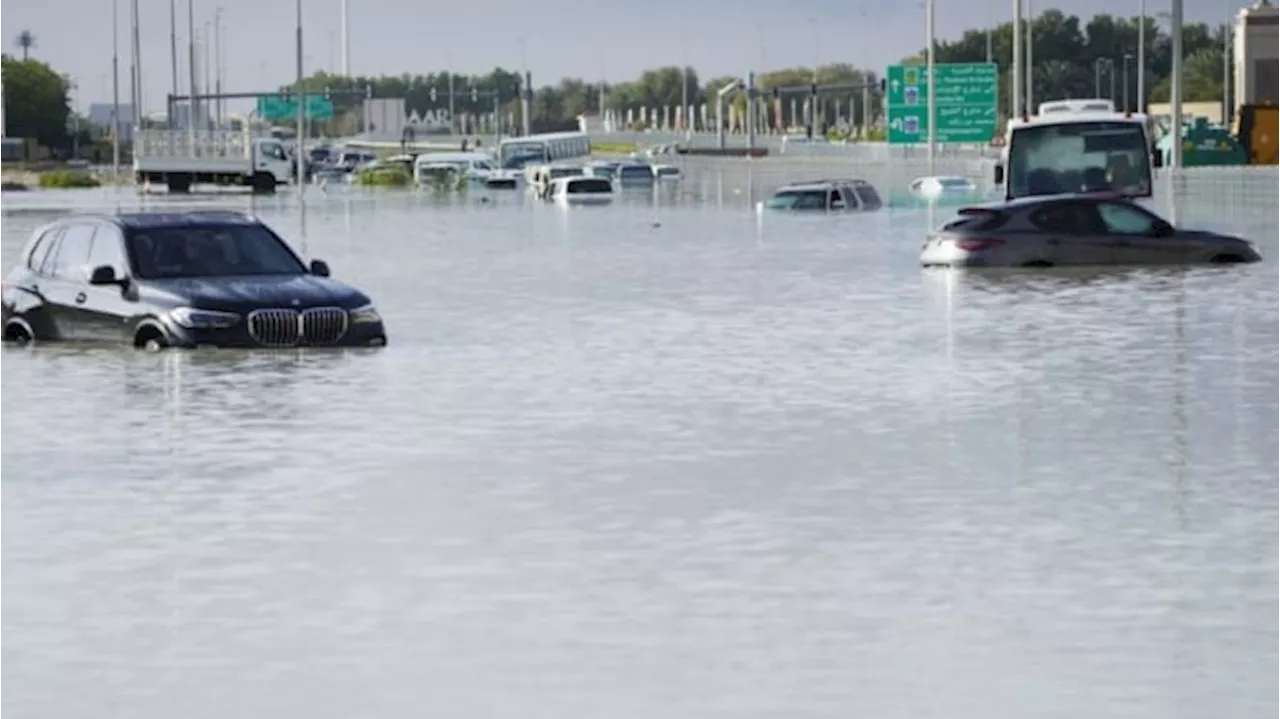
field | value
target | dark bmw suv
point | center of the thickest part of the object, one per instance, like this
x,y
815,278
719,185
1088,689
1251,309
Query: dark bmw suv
x,y
185,279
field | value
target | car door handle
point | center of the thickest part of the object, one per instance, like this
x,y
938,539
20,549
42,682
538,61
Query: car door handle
x,y
80,298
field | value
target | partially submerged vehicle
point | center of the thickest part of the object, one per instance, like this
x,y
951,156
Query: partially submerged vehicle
x,y
477,168
832,195
1074,229
540,177
581,190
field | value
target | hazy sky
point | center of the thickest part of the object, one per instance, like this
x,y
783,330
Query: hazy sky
x,y
553,38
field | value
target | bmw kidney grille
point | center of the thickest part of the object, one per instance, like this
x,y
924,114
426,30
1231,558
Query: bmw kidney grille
x,y
287,328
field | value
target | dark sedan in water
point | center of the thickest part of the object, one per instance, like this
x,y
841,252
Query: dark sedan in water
x,y
1076,229
183,279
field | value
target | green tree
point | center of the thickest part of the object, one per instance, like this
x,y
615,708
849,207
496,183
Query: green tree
x,y
26,41
35,101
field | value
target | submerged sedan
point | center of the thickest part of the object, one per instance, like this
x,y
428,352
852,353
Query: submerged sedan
x,y
1061,230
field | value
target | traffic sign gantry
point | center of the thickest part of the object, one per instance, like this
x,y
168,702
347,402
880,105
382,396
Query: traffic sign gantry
x,y
285,107
966,105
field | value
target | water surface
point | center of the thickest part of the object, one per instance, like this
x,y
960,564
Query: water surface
x,y
659,460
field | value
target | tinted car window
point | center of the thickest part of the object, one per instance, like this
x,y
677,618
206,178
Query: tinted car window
x,y
73,252
40,252
209,251
799,200
589,186
1073,218
106,251
635,172
868,197
1125,219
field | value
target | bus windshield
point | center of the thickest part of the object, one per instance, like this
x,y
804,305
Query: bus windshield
x,y
515,155
1092,156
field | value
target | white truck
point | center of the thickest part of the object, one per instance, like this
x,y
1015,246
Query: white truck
x,y
180,159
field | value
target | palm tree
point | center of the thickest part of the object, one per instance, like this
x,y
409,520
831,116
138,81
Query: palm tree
x,y
26,41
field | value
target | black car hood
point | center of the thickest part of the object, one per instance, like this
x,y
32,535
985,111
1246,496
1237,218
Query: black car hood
x,y
249,292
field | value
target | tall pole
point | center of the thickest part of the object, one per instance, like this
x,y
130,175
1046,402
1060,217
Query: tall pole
x,y
208,68
193,106
115,88
1142,56
300,149
933,96
1127,58
133,64
1031,65
1227,109
346,40
4,101
1175,89
1111,70
990,47
173,44
1015,82
684,84
217,65
137,56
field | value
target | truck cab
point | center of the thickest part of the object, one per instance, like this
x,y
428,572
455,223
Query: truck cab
x,y
1077,146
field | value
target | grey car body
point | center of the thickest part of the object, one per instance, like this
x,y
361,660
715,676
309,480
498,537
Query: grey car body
x,y
836,195
1062,230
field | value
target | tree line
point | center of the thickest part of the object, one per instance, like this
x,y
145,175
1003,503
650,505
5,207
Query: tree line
x,y
1072,59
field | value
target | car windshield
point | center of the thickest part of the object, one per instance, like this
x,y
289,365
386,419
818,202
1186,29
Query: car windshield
x,y
635,172
1079,157
209,251
798,200
558,172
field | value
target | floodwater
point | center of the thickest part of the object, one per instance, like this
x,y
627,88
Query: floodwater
x,y
658,460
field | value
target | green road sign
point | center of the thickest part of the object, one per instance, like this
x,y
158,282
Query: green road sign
x,y
966,104
276,107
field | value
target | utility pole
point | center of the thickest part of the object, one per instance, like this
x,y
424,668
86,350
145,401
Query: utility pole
x,y
1142,56
173,42
1031,65
217,65
4,100
346,39
115,88
300,148
137,56
193,107
932,85
1015,89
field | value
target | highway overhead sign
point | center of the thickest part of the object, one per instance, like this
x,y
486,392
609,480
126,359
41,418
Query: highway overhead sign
x,y
968,94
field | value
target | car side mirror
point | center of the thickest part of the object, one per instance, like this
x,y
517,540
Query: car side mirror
x,y
999,174
319,268
104,275
1157,158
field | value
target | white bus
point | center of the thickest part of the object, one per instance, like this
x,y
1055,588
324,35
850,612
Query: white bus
x,y
1077,146
516,152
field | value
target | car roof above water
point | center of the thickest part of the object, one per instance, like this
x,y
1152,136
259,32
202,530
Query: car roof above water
x,y
151,220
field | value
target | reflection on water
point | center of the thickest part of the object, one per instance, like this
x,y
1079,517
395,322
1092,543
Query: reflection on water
x,y
665,458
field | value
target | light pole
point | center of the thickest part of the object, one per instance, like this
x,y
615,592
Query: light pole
x,y
932,107
299,149
1127,58
1097,76
115,88
1142,56
1015,83
1031,66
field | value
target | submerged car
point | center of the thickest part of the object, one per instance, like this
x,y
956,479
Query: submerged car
x,y
182,279
580,191
1058,230
839,195
941,188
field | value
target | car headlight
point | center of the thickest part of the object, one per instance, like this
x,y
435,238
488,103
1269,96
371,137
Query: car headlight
x,y
197,319
362,315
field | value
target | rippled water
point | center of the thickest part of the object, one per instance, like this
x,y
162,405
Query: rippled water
x,y
659,460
